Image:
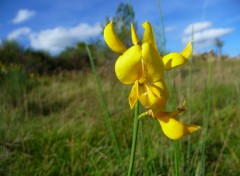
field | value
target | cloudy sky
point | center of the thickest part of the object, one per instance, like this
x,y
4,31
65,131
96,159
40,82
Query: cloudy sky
x,y
53,25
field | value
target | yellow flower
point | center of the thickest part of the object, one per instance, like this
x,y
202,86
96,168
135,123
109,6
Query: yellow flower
x,y
142,65
171,127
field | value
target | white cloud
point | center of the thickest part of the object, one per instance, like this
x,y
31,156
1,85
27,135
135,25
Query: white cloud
x,y
204,35
23,15
196,27
56,39
18,32
208,34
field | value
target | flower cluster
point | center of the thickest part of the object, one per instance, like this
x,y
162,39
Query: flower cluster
x,y
142,66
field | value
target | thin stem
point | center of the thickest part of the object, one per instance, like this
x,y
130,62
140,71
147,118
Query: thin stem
x,y
142,115
105,109
163,28
134,139
206,120
190,107
143,153
150,151
222,149
176,157
130,10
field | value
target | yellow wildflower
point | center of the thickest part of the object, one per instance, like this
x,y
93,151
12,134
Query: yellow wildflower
x,y
142,65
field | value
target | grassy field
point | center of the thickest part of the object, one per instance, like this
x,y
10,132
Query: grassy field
x,y
55,126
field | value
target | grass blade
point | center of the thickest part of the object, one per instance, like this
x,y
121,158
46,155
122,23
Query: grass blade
x,y
134,139
176,157
105,109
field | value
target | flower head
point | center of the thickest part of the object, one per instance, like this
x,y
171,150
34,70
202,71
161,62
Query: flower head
x,y
142,65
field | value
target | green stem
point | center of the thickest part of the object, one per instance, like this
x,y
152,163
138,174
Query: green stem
x,y
130,10
134,139
206,120
190,108
176,157
142,115
163,28
143,153
105,109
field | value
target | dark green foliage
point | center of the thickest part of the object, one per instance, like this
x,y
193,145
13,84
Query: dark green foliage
x,y
14,84
41,62
11,52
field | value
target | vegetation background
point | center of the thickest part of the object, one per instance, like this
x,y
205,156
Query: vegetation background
x,y
51,121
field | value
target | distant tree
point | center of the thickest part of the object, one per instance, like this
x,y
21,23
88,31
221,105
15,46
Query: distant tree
x,y
37,61
122,20
10,52
73,58
219,44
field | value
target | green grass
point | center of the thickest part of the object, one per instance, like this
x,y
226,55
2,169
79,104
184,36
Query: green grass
x,y
55,125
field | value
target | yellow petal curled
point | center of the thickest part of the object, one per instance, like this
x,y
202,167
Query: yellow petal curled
x,y
133,95
112,39
174,129
152,63
163,95
187,51
148,36
134,35
175,59
147,94
128,66
150,94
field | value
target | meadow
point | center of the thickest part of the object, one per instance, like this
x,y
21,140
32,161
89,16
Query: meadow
x,y
54,125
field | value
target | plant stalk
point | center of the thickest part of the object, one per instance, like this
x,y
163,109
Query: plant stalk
x,y
105,109
206,119
176,157
134,139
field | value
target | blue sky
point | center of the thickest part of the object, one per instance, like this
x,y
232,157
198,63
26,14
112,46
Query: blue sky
x,y
53,25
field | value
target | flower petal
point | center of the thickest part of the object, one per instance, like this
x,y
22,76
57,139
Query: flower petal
x,y
128,66
148,36
134,35
174,129
176,59
162,95
147,94
133,95
150,94
152,63
187,51
112,39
